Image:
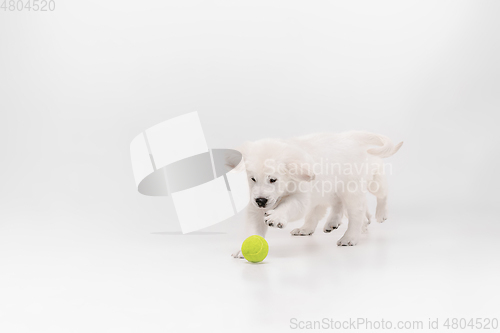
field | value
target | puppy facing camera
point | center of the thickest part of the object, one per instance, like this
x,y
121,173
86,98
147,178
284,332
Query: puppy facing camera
x,y
302,177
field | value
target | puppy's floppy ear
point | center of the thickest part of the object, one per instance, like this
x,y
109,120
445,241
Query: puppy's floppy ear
x,y
233,158
299,165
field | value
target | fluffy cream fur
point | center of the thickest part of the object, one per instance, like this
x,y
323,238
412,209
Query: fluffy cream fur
x,y
302,177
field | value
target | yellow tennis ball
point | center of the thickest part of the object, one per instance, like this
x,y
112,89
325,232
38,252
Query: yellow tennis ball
x,y
255,248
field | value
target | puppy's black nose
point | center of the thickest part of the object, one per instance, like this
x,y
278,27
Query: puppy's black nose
x,y
261,202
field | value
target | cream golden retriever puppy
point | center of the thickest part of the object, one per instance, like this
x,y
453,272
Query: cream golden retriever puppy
x,y
304,176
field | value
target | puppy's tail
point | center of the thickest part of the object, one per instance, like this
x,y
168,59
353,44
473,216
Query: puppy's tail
x,y
386,146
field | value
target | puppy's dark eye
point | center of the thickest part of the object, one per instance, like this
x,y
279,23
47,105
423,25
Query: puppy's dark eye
x,y
253,179
272,180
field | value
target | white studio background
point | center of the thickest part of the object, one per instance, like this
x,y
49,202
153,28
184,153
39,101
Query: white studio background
x,y
77,84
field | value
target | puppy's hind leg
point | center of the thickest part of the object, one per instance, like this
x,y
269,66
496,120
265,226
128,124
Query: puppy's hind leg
x,y
355,203
367,221
335,218
378,187
311,221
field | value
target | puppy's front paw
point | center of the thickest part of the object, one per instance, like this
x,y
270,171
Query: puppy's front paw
x,y
238,255
274,218
302,232
332,225
349,239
